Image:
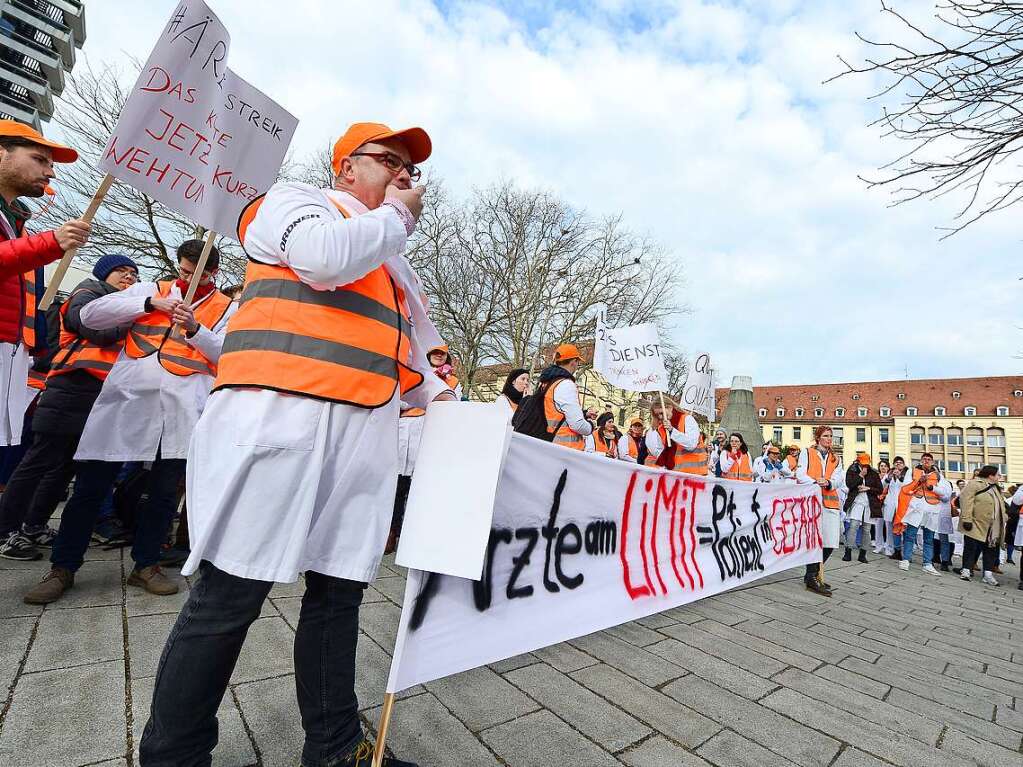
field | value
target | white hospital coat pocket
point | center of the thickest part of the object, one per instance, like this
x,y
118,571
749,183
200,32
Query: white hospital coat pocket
x,y
281,422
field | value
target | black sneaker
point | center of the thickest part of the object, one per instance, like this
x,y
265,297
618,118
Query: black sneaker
x,y
19,548
40,536
363,757
108,531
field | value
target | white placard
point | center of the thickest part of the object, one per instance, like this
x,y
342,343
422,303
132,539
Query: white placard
x,y
451,499
630,358
698,392
580,543
193,134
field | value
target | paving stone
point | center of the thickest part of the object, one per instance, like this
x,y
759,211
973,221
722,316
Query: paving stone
x,y
658,752
980,679
542,740
648,668
916,646
715,670
852,757
777,733
635,634
800,640
146,637
141,602
295,589
65,701
681,724
656,621
425,732
13,585
380,621
1007,717
517,661
77,637
480,698
234,749
970,725
271,712
729,748
736,654
289,608
565,658
853,681
96,584
372,595
591,715
392,588
770,649
981,751
848,728
268,651
14,636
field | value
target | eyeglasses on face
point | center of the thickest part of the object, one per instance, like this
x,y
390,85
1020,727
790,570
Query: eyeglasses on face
x,y
392,162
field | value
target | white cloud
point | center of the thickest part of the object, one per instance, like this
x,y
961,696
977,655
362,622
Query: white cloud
x,y
708,126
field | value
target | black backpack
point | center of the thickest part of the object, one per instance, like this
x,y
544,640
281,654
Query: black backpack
x,y
530,417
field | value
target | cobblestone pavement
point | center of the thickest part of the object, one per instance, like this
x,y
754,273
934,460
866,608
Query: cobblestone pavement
x,y
897,668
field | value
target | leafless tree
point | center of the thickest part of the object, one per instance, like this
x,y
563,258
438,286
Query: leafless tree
x,y
954,95
510,272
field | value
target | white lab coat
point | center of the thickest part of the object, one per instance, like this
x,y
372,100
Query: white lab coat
x,y
774,476
891,500
279,484
410,433
1017,499
15,393
831,519
566,397
623,449
920,513
944,516
142,407
505,405
687,438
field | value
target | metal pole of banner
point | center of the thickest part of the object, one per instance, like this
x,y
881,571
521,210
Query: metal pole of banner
x,y
65,261
385,722
193,284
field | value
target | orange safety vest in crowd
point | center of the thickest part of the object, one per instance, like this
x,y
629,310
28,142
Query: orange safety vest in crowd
x,y
792,461
633,447
563,434
688,462
36,379
906,495
817,469
348,345
28,315
925,492
412,412
451,380
78,353
600,444
153,334
741,470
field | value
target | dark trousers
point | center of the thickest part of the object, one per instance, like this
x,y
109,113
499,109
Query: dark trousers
x,y
814,568
202,649
94,479
38,484
972,549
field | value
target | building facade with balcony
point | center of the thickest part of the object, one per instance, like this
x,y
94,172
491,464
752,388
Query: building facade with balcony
x,y
38,39
964,422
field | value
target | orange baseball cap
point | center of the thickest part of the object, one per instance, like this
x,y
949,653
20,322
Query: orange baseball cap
x,y
15,129
864,458
415,140
567,352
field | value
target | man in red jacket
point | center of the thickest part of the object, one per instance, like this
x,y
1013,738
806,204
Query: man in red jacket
x,y
26,167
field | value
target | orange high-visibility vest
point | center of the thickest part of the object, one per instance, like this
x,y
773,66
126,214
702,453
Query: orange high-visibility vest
x,y
600,444
563,434
28,314
741,470
925,492
633,447
451,380
792,461
36,379
817,469
694,461
152,334
78,353
349,345
412,412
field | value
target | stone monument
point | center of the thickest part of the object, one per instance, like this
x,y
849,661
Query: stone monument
x,y
741,415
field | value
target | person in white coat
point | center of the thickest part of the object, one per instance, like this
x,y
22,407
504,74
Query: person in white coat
x,y
945,527
294,464
818,465
921,500
687,437
146,411
892,484
883,469
629,446
774,470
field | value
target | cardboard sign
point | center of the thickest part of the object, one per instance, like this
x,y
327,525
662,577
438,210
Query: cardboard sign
x,y
193,134
698,392
630,358
579,543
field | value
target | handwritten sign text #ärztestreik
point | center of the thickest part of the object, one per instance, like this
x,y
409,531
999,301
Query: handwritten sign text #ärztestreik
x,y
579,543
630,358
193,134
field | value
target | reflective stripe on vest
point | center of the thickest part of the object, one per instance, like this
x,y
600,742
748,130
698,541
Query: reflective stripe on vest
x,y
741,470
563,434
817,470
153,334
924,492
78,353
349,345
693,461
28,313
36,379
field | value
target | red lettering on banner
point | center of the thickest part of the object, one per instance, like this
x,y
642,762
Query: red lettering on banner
x,y
795,524
634,592
642,540
695,487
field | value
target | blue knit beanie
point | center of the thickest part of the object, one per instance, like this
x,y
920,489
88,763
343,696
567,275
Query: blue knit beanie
x,y
107,264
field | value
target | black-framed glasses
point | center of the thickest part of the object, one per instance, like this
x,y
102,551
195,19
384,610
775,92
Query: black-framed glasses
x,y
392,162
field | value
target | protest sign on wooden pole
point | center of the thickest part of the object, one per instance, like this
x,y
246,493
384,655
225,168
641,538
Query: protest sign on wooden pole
x,y
65,261
385,723
193,284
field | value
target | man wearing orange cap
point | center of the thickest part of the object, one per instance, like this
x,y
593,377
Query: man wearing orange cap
x,y
565,419
26,167
293,466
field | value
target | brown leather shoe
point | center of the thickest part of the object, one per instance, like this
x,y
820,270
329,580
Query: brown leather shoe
x,y
51,587
997,570
153,580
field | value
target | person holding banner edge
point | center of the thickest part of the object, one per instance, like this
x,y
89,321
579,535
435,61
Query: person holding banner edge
x,y
819,465
26,167
294,463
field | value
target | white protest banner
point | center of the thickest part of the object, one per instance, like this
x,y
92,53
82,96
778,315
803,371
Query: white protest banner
x,y
193,134
580,543
630,358
698,392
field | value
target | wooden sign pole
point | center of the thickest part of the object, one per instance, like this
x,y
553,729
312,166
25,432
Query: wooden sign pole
x,y
65,261
193,284
664,412
385,722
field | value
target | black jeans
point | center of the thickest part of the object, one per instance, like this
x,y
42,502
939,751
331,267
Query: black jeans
x,y
38,484
202,649
94,479
972,549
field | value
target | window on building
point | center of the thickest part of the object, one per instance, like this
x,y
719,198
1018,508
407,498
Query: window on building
x,y
814,397
780,412
911,411
972,466
886,412
954,437
974,438
1018,393
1003,469
1002,411
940,463
901,395
861,412
856,396
995,438
797,432
818,412
956,395
882,436
935,437
917,436
777,434
861,435
800,412
839,438
839,412
884,457
939,411
762,412
970,411
954,465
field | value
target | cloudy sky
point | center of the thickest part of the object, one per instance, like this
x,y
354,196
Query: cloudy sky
x,y
705,123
